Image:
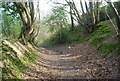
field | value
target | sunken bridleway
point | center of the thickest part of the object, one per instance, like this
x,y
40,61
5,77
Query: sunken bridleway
x,y
72,61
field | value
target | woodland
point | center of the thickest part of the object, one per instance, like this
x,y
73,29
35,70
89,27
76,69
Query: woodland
x,y
75,40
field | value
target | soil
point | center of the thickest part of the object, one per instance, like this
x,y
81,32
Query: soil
x,y
72,61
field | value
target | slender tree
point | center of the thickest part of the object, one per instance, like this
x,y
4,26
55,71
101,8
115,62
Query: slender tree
x,y
72,19
116,13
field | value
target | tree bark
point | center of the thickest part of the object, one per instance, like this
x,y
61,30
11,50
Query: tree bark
x,y
87,20
116,15
72,22
27,16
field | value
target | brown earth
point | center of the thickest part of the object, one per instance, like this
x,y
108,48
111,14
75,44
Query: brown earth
x,y
72,61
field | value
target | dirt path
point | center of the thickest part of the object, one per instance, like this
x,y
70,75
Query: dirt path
x,y
72,61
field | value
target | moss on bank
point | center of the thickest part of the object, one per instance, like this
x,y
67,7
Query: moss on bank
x,y
14,66
104,36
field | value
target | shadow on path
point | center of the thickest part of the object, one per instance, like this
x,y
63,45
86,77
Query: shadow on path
x,y
72,61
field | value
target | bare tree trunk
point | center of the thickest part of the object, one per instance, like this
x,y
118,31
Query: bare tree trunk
x,y
27,16
87,20
116,15
72,22
116,29
35,32
86,6
81,4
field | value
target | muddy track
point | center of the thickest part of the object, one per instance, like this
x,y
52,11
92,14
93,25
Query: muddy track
x,y
72,61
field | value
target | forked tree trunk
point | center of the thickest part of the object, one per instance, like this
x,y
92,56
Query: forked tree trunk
x,y
26,12
88,19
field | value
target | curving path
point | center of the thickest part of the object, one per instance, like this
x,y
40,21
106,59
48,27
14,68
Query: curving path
x,y
72,61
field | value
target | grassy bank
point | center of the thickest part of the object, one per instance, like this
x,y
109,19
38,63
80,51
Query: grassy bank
x,y
14,65
104,36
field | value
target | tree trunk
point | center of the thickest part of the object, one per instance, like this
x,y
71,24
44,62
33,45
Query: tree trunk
x,y
116,15
72,22
27,16
81,4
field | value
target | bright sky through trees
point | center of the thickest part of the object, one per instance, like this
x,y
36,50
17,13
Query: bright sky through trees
x,y
47,5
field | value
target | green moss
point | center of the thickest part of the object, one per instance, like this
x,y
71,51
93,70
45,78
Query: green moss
x,y
10,72
117,47
117,52
102,33
14,66
5,48
14,40
107,48
75,38
97,40
30,56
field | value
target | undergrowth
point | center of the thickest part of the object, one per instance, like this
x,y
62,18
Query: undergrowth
x,y
59,37
102,37
64,36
